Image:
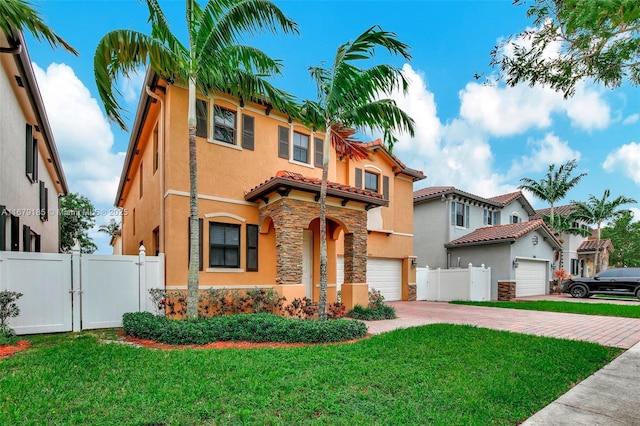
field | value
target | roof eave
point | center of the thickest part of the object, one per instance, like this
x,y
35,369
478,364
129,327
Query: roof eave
x,y
274,184
481,243
150,80
24,64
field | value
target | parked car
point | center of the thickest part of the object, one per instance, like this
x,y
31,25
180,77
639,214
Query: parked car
x,y
618,281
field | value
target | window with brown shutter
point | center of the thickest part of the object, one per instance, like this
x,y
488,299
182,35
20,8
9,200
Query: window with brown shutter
x,y
224,245
224,125
319,151
201,118
248,123
385,187
15,233
31,164
252,247
358,178
283,142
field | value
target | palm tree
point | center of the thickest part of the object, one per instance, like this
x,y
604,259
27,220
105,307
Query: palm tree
x,y
348,101
554,186
20,15
213,60
110,228
564,224
596,211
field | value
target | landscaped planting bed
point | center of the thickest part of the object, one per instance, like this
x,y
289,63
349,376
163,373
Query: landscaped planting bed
x,y
241,327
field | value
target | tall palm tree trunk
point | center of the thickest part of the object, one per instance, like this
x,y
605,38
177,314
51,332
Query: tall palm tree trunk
x,y
596,265
193,278
322,303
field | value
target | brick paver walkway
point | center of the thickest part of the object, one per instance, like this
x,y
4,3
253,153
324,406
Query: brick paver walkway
x,y
608,331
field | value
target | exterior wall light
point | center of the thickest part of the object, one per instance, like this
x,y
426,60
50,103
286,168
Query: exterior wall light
x,y
515,263
534,240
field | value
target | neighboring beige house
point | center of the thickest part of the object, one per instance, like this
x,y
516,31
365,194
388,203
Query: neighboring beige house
x,y
578,252
258,187
31,176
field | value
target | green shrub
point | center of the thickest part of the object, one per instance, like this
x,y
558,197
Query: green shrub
x,y
372,314
8,309
242,327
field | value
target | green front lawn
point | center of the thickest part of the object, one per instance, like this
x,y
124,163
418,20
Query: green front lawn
x,y
436,374
607,309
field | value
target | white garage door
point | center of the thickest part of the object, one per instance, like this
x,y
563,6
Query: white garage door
x,y
531,278
385,275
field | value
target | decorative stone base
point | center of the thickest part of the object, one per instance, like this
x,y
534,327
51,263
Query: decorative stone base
x,y
506,290
354,294
413,288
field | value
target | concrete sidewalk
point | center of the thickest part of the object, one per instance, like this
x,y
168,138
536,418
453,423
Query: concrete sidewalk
x,y
609,397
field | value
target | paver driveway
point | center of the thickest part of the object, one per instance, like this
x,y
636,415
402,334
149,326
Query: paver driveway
x,y
608,331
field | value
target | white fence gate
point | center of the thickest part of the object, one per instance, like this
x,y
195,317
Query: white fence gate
x,y
472,283
72,292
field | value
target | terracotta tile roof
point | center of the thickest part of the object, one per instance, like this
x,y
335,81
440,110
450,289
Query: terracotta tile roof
x,y
377,144
592,245
503,233
506,198
432,192
565,210
290,180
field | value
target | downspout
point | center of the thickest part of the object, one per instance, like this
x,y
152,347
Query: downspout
x,y
160,164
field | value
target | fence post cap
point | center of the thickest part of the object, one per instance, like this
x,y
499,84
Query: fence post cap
x,y
142,249
76,247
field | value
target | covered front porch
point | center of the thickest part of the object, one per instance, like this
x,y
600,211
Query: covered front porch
x,y
289,208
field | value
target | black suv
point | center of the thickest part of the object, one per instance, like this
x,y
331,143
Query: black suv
x,y
619,281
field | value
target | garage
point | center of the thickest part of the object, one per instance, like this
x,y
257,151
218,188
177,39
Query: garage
x,y
385,275
531,278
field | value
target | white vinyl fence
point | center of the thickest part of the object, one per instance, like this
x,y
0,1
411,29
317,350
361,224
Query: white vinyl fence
x,y
472,283
72,292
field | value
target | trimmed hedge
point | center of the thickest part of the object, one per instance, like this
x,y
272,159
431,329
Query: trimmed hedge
x,y
241,327
372,313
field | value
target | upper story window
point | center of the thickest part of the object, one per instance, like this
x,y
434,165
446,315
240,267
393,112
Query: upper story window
x,y
459,214
300,147
371,181
31,155
491,218
224,125
514,218
224,245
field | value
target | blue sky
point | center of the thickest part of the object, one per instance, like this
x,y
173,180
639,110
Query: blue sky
x,y
480,138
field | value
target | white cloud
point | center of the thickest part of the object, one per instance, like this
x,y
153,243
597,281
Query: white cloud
x,y
82,134
587,110
131,86
549,150
636,213
625,159
632,119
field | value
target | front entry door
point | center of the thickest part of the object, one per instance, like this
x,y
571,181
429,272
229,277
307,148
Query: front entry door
x,y
307,263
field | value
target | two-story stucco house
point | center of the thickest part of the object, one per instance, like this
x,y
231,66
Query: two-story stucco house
x,y
31,176
258,191
453,228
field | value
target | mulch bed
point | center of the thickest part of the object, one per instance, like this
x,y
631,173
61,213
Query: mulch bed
x,y
224,345
8,350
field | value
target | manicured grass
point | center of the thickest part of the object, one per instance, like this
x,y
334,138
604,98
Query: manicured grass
x,y
437,374
607,309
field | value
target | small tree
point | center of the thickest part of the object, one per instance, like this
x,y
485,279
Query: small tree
x,y
624,234
8,309
110,228
77,216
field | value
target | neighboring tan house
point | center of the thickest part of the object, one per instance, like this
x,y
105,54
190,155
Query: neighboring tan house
x,y
454,228
31,176
258,188
578,252
587,254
